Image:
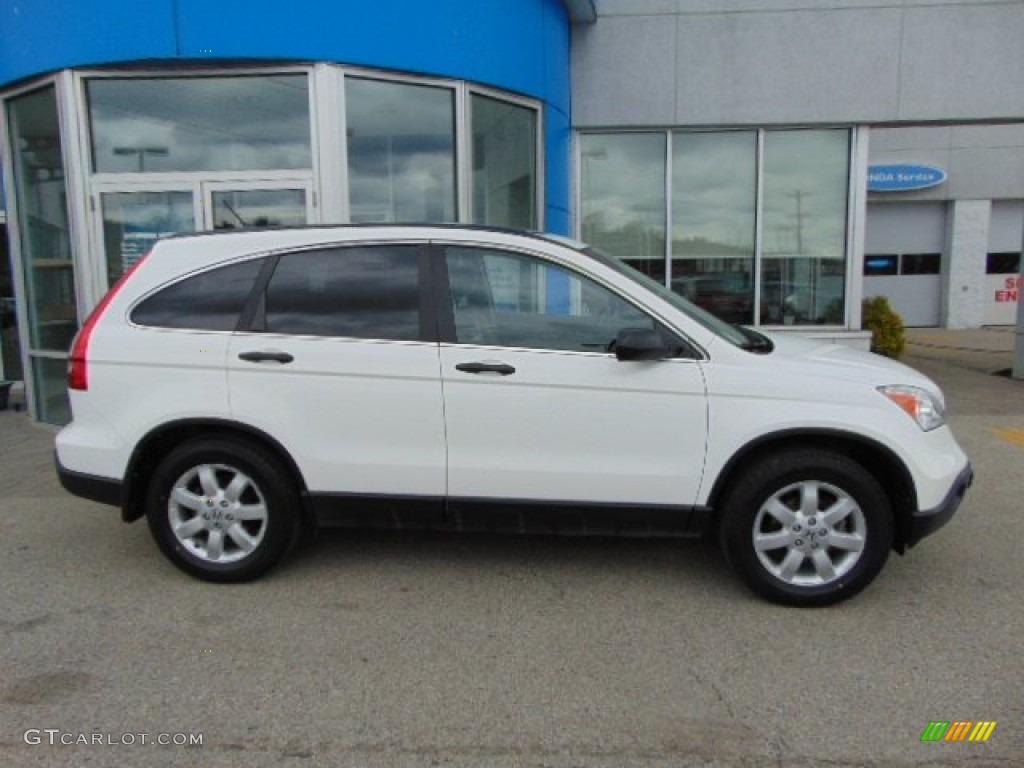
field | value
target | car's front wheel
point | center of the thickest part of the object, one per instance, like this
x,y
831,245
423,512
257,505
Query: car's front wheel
x,y
807,527
221,509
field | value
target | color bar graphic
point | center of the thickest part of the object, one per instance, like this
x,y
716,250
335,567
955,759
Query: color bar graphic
x,y
982,730
935,731
958,730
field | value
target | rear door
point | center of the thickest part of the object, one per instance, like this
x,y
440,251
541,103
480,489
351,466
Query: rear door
x,y
339,363
538,407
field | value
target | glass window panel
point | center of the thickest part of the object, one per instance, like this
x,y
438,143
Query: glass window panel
x,y
920,263
10,347
210,301
1002,263
258,122
623,197
258,208
401,151
52,405
134,221
43,221
504,164
360,292
510,300
714,192
888,264
806,176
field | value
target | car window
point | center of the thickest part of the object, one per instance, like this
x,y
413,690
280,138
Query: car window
x,y
731,333
513,300
209,301
366,292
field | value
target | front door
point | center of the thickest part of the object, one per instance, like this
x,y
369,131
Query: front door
x,y
537,406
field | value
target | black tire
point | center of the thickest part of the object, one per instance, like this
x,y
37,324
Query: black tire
x,y
790,564
253,513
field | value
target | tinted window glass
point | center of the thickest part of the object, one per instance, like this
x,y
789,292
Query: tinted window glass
x,y
1003,263
211,301
505,299
920,264
370,292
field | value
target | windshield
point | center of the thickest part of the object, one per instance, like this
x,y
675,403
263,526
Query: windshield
x,y
733,334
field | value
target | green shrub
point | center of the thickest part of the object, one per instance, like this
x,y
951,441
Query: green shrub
x,y
886,326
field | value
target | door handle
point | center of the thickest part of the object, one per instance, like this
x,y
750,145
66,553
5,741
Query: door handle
x,y
503,368
266,356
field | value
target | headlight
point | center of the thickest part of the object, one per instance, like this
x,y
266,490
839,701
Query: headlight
x,y
923,407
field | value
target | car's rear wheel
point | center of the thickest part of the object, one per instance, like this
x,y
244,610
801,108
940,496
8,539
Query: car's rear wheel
x,y
807,527
222,509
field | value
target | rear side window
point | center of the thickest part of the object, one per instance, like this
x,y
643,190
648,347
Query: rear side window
x,y
364,292
210,301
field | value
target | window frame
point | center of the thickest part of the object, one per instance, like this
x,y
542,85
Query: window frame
x,y
855,194
84,135
460,158
463,90
540,167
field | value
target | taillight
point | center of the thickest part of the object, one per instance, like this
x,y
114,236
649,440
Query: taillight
x,y
78,362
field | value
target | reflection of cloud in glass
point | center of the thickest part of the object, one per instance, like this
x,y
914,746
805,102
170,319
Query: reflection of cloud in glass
x,y
204,123
401,151
713,193
158,213
624,192
623,174
380,108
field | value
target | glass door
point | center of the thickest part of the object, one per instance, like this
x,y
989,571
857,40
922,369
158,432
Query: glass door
x,y
129,219
10,349
132,221
43,248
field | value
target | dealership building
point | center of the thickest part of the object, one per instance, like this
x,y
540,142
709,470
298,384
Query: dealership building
x,y
775,161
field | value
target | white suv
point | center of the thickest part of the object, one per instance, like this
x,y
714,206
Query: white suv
x,y
237,389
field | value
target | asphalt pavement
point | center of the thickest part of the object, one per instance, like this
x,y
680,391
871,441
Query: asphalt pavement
x,y
443,650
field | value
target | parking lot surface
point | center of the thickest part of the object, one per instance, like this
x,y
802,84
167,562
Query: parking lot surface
x,y
440,650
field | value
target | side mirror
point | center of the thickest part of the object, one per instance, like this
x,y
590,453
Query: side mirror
x,y
641,344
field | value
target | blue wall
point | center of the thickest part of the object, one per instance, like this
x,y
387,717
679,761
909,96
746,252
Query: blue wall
x,y
517,45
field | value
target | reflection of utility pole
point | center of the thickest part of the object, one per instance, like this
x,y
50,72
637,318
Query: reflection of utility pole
x,y
140,153
798,195
813,272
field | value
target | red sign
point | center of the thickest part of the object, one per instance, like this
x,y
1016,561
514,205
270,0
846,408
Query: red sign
x,y
1011,290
